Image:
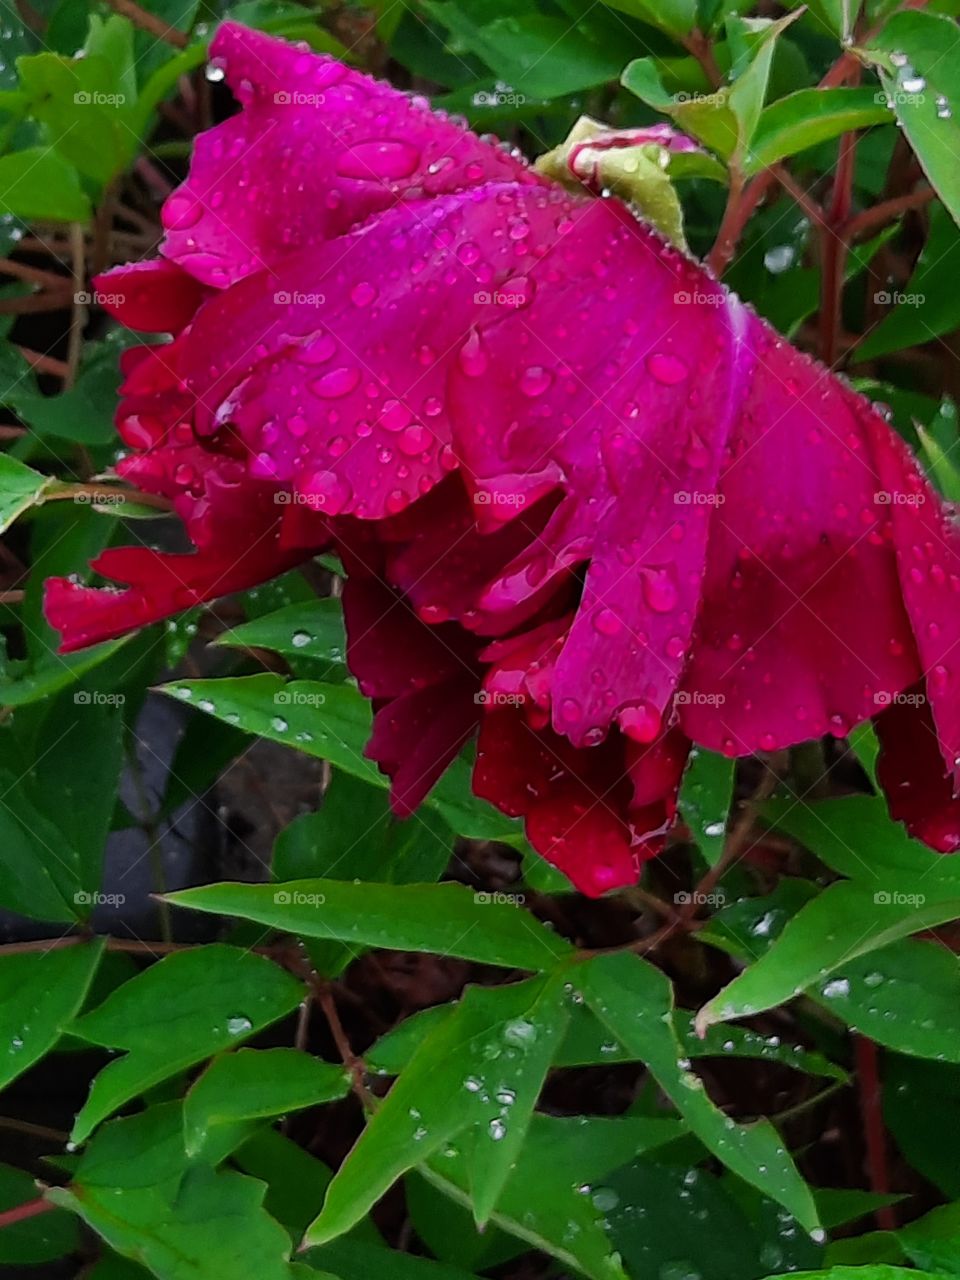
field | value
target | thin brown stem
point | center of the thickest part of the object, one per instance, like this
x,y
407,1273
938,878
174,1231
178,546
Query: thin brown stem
x,y
75,340
149,22
862,224
834,246
353,1063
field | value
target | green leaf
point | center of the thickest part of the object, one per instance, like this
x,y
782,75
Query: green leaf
x,y
757,40
933,1241
355,837
179,1011
482,1067
311,630
57,673
33,1240
326,720
840,924
677,17
79,754
866,747
37,183
295,1179
39,874
20,486
333,722
635,1001
906,996
363,1260
691,1225
921,1106
706,116
445,919
255,1084
543,1202
808,117
836,830
924,89
705,800
588,1042
747,928
85,110
937,444
40,993
206,1227
878,1271
538,55
926,306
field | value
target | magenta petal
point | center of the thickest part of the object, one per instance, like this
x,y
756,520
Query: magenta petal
x,y
802,629
928,560
334,368
157,586
616,387
153,297
316,149
918,786
418,735
573,801
391,652
424,681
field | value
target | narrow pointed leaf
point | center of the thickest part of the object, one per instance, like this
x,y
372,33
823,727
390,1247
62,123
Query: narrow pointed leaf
x,y
445,919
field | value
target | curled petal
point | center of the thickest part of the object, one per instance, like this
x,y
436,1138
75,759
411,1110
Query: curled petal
x,y
154,297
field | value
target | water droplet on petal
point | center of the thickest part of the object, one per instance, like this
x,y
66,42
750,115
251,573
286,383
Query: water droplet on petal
x,y
666,369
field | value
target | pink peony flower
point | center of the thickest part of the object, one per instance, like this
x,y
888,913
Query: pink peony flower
x,y
588,500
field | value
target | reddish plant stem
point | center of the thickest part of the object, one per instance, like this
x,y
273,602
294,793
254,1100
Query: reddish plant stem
x,y
21,1212
741,204
44,363
834,246
871,1111
149,22
354,1064
873,219
700,47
